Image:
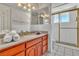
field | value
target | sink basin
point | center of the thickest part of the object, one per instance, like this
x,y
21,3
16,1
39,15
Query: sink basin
x,y
38,33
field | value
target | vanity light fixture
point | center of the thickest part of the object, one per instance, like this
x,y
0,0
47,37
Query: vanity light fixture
x,y
19,4
41,15
29,9
27,6
44,15
33,7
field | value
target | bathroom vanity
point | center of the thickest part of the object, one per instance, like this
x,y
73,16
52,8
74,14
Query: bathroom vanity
x,y
28,45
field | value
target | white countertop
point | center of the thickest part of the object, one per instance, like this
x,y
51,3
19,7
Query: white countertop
x,y
22,39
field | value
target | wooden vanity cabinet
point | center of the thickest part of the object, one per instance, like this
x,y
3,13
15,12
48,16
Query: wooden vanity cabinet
x,y
12,51
39,49
35,50
30,51
34,47
21,54
45,48
45,43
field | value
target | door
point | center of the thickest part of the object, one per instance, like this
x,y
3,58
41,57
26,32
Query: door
x,y
68,27
39,49
45,48
35,50
12,51
30,51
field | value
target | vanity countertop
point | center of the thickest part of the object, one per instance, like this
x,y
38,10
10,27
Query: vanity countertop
x,y
22,39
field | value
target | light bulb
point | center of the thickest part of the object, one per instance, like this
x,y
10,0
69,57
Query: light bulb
x,y
29,5
19,4
25,7
46,15
41,15
33,8
29,9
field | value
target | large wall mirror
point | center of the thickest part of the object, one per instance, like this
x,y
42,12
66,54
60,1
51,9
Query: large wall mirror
x,y
13,19
40,16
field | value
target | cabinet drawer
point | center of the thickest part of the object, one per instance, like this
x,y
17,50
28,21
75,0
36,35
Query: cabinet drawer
x,y
45,37
38,40
44,42
21,54
13,50
35,41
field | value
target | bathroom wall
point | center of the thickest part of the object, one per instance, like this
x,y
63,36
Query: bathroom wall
x,y
40,27
4,19
19,20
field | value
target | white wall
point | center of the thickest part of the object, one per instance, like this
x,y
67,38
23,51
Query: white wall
x,y
4,18
14,18
54,31
40,27
20,20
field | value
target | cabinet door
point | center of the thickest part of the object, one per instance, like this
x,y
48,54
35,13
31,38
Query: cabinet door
x,y
45,48
21,54
33,42
39,49
45,42
30,51
12,50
